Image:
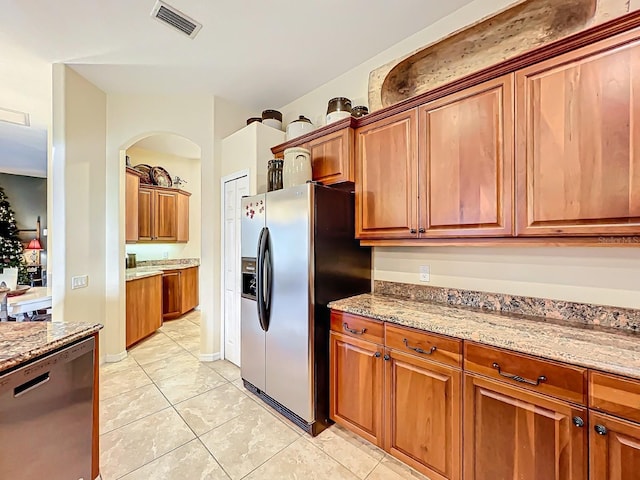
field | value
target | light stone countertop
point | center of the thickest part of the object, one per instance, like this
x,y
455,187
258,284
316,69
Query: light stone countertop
x,y
156,269
21,342
587,346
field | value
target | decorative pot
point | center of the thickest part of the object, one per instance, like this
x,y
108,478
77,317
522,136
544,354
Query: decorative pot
x,y
299,127
273,118
297,167
337,109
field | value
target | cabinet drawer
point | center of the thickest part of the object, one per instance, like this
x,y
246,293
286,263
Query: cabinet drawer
x,y
425,345
616,395
358,327
544,376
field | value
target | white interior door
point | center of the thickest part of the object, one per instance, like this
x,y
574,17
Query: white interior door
x,y
234,190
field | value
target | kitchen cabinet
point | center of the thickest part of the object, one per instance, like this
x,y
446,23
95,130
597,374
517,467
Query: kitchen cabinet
x,y
180,292
163,215
386,180
356,376
466,162
132,187
513,433
143,308
614,448
577,148
332,152
423,414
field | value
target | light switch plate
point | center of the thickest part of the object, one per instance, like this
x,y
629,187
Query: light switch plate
x,y
425,273
81,281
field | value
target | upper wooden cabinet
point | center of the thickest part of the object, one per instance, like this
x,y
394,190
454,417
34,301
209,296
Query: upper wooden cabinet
x,y
332,152
512,433
132,186
163,215
386,180
578,142
466,162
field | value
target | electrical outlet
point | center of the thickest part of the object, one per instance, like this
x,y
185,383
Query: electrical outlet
x,y
425,273
165,255
81,281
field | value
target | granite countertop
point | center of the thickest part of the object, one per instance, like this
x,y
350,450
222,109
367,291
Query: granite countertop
x,y
583,345
22,342
156,267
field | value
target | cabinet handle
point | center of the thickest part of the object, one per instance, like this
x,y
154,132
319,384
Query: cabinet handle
x,y
387,357
377,354
421,230
345,325
518,378
413,230
418,349
578,422
600,429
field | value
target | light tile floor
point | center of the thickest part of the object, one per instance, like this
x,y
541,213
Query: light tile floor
x,y
164,415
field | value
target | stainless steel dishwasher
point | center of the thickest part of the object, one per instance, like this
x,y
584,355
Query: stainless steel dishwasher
x,y
46,416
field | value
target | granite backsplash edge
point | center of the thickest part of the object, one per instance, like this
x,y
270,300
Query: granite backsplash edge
x,y
626,319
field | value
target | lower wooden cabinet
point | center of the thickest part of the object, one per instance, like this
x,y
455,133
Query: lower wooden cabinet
x,y
356,372
180,292
614,448
512,433
423,415
144,308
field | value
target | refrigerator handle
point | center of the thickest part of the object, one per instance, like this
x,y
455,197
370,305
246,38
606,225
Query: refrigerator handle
x,y
261,285
267,280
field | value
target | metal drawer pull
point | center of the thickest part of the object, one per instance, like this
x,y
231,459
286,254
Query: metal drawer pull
x,y
418,349
377,354
345,325
518,378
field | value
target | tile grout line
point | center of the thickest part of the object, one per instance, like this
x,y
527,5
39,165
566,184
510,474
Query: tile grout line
x,y
271,457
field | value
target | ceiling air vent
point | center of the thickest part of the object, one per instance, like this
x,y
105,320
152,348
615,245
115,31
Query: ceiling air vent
x,y
175,19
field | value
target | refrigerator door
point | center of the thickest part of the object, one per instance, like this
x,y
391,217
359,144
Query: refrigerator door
x,y
289,372
252,336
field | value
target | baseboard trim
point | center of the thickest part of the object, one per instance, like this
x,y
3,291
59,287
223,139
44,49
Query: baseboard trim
x,y
209,357
117,357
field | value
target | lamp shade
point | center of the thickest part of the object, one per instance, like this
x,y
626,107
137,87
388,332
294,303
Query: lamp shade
x,y
34,245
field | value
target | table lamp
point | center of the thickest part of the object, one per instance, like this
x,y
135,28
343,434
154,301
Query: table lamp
x,y
35,247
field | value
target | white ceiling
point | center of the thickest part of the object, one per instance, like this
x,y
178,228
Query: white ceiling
x,y
257,53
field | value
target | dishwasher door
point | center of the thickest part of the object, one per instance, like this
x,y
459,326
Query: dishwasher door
x,y
46,417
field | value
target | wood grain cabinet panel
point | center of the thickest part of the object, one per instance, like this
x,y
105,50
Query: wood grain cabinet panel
x,y
332,157
145,214
166,211
356,326
132,188
190,289
386,180
466,162
143,308
616,395
578,142
614,448
171,294
511,433
423,415
182,217
356,382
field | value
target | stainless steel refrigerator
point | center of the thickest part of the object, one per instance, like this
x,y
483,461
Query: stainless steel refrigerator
x,y
298,253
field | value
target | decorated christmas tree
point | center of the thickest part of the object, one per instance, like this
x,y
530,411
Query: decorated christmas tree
x,y
10,245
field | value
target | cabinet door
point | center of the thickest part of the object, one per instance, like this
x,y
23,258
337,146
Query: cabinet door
x,y
356,386
578,142
423,415
512,433
614,448
332,157
145,214
386,178
189,287
171,295
166,210
466,162
143,308
132,187
183,218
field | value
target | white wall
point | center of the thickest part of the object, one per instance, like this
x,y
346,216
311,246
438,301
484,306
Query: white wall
x,y
129,119
598,275
78,169
188,169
